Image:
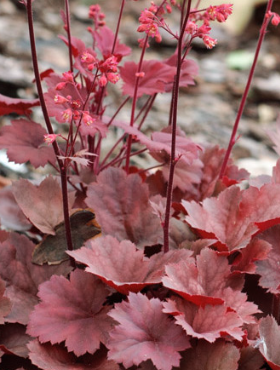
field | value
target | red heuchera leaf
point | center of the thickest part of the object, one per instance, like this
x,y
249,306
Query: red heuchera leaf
x,y
208,282
11,215
202,283
269,341
211,356
104,38
77,313
189,69
56,357
33,201
269,269
5,304
256,250
122,266
123,210
22,277
20,106
208,322
236,215
156,75
250,359
23,141
145,332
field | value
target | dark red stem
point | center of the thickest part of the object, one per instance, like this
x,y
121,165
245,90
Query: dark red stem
x,y
246,91
63,170
68,30
174,105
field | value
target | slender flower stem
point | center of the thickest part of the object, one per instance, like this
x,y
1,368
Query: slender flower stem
x,y
247,88
62,167
68,30
174,105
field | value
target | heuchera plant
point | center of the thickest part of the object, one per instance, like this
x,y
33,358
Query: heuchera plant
x,y
110,266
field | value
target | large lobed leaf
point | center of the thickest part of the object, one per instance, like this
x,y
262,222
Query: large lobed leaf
x,y
33,200
145,332
122,208
235,215
77,317
122,266
20,106
24,141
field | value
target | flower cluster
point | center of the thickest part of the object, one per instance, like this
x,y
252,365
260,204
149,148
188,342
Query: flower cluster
x,y
97,16
212,13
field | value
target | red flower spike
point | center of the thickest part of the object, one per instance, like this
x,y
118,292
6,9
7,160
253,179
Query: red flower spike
x,y
145,332
23,141
78,315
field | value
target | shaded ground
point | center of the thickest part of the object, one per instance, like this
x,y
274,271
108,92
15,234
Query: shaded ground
x,y
206,111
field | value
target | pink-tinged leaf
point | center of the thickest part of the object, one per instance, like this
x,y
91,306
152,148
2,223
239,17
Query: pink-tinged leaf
x,y
20,106
202,283
122,266
235,215
22,277
104,38
269,341
208,322
145,332
5,304
56,357
156,76
256,250
78,316
269,268
13,340
42,205
123,210
211,356
23,141
11,215
189,69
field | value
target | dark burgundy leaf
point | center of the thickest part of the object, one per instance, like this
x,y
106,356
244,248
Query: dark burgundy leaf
x,y
13,340
20,106
24,141
22,277
52,249
78,315
145,332
211,356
